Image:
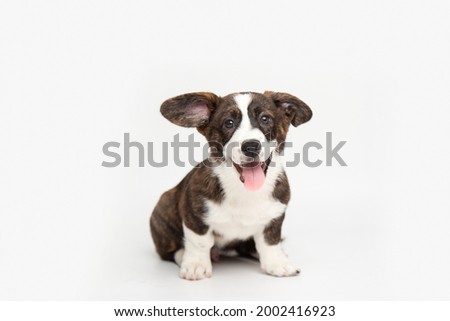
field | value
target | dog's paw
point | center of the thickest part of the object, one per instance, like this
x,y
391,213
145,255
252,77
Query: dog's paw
x,y
196,270
281,268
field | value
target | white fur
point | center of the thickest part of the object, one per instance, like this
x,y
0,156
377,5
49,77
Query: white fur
x,y
243,213
178,256
196,260
273,259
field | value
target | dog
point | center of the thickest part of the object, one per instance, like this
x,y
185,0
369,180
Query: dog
x,y
234,202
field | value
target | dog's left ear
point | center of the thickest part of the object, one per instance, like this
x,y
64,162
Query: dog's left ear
x,y
190,110
296,110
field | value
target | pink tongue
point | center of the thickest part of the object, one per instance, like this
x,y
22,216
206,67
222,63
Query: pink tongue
x,y
253,177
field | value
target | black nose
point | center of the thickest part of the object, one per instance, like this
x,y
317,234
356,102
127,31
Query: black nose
x,y
251,147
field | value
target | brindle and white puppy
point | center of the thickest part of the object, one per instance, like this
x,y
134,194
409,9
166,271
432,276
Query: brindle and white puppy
x,y
236,200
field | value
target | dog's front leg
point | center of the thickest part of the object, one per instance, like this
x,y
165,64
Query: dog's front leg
x,y
196,261
271,255
273,259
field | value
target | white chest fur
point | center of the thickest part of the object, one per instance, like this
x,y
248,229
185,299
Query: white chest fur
x,y
243,213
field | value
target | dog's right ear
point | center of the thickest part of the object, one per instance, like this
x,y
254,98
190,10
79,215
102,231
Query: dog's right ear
x,y
190,110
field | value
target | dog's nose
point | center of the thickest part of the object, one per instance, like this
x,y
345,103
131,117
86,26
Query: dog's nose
x,y
251,147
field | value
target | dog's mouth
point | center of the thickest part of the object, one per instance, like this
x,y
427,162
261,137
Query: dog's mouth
x,y
253,174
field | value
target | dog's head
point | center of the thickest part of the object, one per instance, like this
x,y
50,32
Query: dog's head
x,y
243,128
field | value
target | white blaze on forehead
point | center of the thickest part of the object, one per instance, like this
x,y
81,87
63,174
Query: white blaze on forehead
x,y
245,129
243,100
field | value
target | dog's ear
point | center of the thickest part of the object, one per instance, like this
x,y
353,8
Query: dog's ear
x,y
190,110
296,110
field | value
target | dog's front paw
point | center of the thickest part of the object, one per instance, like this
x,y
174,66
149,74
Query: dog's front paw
x,y
196,269
281,268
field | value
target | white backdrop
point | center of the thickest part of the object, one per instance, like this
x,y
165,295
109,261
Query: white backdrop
x,y
75,75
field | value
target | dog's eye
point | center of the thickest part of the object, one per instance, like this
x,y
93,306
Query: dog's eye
x,y
229,123
265,119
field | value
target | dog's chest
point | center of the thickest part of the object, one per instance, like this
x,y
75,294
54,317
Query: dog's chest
x,y
242,213
240,220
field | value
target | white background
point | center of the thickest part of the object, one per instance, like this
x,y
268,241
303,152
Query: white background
x,y
75,75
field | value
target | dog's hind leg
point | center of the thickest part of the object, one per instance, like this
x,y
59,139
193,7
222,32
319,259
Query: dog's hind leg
x,y
166,228
247,249
178,256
